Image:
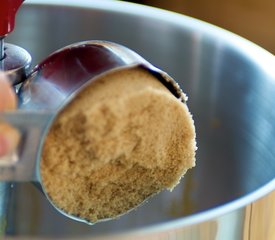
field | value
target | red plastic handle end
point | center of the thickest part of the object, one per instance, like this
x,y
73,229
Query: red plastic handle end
x,y
8,9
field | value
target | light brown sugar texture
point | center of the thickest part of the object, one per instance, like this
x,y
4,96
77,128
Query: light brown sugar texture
x,y
124,138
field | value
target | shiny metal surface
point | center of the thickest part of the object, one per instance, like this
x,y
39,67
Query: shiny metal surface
x,y
62,75
231,88
16,63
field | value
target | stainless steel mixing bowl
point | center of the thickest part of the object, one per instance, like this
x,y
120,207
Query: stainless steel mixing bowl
x,y
231,87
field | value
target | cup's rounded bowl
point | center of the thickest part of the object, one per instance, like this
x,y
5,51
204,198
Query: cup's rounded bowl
x,y
231,87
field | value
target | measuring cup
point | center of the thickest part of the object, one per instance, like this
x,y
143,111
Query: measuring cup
x,y
50,87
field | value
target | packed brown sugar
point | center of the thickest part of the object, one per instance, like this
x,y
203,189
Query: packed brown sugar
x,y
122,139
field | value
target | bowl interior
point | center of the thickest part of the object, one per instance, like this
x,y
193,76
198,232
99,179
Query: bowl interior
x,y
231,95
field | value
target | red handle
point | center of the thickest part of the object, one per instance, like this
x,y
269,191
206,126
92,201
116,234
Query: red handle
x,y
8,9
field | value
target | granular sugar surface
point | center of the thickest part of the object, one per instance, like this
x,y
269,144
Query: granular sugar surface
x,y
121,140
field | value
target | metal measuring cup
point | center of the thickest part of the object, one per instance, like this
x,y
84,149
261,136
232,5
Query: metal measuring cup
x,y
50,87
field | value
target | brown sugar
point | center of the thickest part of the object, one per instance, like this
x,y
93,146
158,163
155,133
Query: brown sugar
x,y
122,139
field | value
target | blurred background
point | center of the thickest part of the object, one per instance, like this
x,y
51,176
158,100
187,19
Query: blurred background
x,y
252,19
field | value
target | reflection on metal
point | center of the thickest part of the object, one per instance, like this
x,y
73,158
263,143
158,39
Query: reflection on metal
x,y
16,63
